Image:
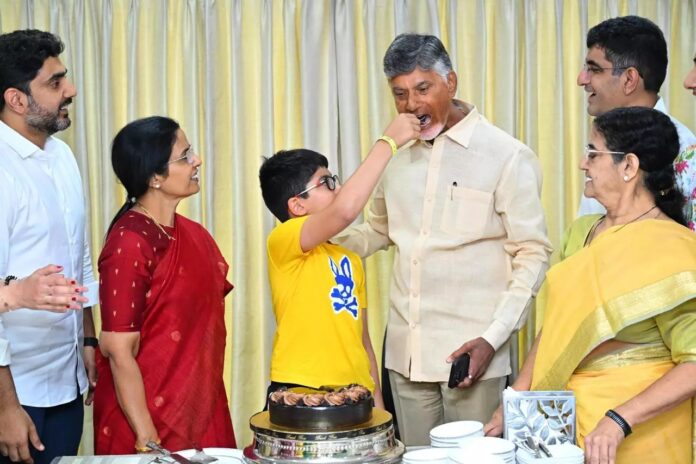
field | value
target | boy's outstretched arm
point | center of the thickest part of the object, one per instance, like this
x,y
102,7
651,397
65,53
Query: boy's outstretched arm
x,y
374,369
353,195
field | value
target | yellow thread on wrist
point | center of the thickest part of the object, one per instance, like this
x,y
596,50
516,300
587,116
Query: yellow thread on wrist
x,y
391,142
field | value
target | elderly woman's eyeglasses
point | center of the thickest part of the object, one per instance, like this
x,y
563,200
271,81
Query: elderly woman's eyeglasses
x,y
188,156
591,153
330,181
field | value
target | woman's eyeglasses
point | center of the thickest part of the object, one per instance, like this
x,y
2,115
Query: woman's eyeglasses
x,y
330,181
188,156
591,153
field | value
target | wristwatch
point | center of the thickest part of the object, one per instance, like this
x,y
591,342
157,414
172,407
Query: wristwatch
x,y
91,341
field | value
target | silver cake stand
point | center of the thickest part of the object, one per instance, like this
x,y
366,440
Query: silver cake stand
x,y
370,442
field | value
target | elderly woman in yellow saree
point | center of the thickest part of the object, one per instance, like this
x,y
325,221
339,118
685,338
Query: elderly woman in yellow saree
x,y
619,324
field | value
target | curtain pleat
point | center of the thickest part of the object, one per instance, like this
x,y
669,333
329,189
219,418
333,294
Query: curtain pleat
x,y
246,78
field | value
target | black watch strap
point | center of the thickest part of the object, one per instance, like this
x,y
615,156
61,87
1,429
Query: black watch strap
x,y
91,341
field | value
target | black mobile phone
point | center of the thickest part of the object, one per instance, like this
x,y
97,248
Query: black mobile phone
x,y
459,371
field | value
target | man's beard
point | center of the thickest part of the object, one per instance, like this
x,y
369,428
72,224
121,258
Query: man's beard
x,y
45,120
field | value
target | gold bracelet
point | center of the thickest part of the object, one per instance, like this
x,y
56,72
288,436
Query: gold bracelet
x,y
146,449
391,142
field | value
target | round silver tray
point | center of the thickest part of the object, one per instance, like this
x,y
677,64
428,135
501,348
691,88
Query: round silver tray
x,y
370,442
393,456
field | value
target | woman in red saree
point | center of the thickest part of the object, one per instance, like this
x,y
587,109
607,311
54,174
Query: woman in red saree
x,y
163,283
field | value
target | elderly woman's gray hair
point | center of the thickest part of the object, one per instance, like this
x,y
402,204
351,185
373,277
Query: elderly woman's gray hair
x,y
409,51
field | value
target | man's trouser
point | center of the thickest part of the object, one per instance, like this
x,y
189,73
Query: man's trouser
x,y
420,406
59,428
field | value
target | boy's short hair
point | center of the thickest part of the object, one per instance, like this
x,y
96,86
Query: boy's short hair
x,y
285,174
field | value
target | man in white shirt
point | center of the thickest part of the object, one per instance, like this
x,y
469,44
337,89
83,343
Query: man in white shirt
x,y
625,65
462,208
42,219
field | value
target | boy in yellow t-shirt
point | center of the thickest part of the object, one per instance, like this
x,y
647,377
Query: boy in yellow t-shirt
x,y
318,288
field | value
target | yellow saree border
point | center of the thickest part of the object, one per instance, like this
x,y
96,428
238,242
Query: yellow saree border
x,y
631,356
603,288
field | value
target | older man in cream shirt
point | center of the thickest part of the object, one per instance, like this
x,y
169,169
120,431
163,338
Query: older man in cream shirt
x,y
462,208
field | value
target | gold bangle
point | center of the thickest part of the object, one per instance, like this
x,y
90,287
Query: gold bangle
x,y
146,449
391,142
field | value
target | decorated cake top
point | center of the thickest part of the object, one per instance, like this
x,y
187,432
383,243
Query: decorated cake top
x,y
324,396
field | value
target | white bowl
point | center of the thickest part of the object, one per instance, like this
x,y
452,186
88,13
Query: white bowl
x,y
566,450
461,456
425,455
490,445
459,429
453,443
437,444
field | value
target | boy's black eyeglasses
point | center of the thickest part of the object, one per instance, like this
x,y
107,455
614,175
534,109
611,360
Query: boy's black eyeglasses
x,y
330,181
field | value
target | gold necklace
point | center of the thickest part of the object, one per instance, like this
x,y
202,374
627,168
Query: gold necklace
x,y
155,221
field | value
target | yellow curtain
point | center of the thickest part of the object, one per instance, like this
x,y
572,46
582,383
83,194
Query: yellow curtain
x,y
248,77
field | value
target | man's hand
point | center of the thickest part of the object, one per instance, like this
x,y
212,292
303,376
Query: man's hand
x,y
602,442
481,352
16,432
89,356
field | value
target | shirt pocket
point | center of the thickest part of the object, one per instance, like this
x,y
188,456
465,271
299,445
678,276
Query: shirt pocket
x,y
466,212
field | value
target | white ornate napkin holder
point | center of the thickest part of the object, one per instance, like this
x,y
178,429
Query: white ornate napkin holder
x,y
547,415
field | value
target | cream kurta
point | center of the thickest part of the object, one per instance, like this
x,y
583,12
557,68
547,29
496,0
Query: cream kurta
x,y
471,248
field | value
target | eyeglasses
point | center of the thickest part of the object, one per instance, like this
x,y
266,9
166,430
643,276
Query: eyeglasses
x,y
188,156
594,69
330,181
591,153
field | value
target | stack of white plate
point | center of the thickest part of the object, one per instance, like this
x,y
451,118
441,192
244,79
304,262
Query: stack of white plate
x,y
460,456
425,455
454,434
560,454
502,449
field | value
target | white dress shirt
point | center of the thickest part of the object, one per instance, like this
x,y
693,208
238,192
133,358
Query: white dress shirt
x,y
466,219
42,221
686,139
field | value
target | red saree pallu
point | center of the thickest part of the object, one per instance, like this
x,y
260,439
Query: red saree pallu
x,y
182,335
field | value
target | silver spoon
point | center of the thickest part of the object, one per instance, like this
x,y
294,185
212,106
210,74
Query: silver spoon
x,y
532,445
